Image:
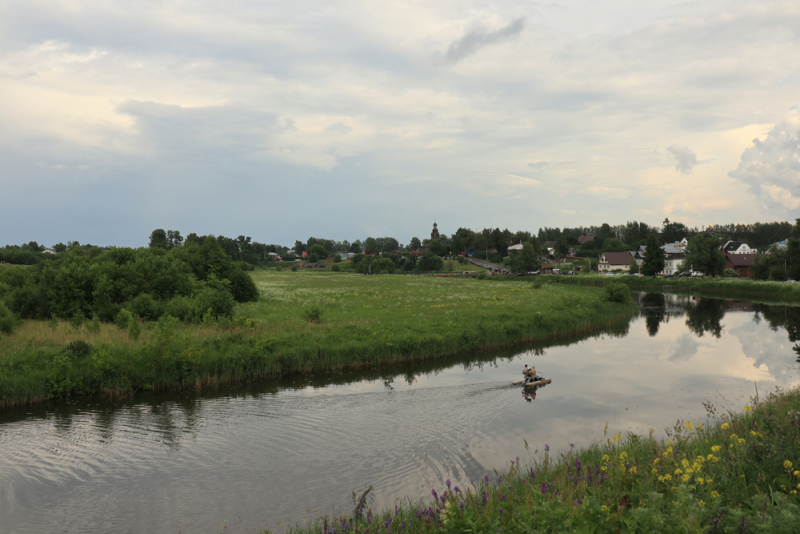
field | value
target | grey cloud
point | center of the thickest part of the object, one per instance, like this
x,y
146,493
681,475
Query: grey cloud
x,y
538,165
685,350
339,128
685,159
771,168
474,40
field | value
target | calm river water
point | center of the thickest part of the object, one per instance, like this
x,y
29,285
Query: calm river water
x,y
271,454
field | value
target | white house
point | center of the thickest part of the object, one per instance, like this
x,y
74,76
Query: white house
x,y
737,247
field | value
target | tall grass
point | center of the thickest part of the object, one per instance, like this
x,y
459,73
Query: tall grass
x,y
304,322
741,473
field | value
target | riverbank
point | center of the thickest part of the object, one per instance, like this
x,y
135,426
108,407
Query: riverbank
x,y
304,322
741,473
788,292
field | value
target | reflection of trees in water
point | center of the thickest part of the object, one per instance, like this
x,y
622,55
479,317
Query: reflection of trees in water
x,y
654,309
787,317
705,316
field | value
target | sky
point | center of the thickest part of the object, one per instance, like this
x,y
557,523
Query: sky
x,y
343,119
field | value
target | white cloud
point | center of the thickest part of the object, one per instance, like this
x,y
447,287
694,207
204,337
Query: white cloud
x,y
474,40
771,168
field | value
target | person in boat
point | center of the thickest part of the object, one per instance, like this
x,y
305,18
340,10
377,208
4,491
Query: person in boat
x,y
529,373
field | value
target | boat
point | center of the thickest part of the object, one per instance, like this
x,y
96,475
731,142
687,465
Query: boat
x,y
532,382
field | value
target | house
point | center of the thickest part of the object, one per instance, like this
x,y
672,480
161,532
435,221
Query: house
x,y
49,251
518,246
611,261
743,264
571,251
780,245
672,263
737,247
585,239
546,268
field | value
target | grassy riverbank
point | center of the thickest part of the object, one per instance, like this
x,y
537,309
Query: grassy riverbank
x,y
740,474
303,322
724,287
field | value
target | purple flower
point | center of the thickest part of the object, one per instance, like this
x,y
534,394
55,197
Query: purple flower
x,y
457,490
461,505
502,497
403,525
571,445
444,497
387,522
447,483
435,495
577,465
546,447
578,502
484,497
570,479
533,475
486,478
501,510
544,488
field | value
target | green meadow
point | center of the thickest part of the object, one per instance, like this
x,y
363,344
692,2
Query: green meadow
x,y
303,322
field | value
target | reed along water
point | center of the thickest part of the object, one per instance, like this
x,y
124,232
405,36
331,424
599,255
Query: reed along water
x,y
270,454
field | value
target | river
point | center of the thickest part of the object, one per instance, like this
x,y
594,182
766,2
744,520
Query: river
x,y
270,454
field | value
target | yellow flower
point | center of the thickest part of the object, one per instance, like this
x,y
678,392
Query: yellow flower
x,y
700,426
603,468
700,504
796,473
748,408
654,471
605,458
714,494
724,426
670,443
733,436
623,455
753,433
741,440
686,478
685,462
656,461
678,471
699,480
715,448
604,508
689,470
787,465
632,469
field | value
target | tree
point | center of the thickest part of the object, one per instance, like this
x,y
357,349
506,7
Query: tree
x,y
612,244
415,244
174,239
704,255
673,232
158,239
430,262
525,260
390,244
793,252
317,250
355,248
633,266
436,247
654,257
371,245
60,247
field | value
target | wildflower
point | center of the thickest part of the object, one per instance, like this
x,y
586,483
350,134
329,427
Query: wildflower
x,y
654,471
546,447
741,440
686,478
623,455
457,490
733,436
604,508
633,469
685,462
715,448
748,408
435,495
656,461
605,458
714,494
796,473
447,483
724,426
787,465
701,504
500,510
679,471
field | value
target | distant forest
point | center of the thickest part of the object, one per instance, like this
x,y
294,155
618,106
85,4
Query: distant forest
x,y
489,243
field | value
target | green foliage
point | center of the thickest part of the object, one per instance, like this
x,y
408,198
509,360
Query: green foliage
x,y
383,266
335,268
482,276
703,255
430,262
317,250
654,256
77,320
525,260
141,280
214,301
313,258
730,273
7,320
93,326
617,292
777,272
294,268
538,283
313,314
123,319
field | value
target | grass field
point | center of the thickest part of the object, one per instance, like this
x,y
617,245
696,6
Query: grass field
x,y
303,322
739,474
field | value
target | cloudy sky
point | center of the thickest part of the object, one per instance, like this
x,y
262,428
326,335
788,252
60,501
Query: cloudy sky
x,y
349,118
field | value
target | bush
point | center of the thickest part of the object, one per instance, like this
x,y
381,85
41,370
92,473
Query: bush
x,y
217,303
335,268
7,320
146,307
294,268
313,314
537,284
313,258
123,319
777,272
482,276
180,307
730,273
617,292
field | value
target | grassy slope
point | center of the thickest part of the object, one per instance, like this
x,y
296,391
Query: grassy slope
x,y
742,474
364,321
